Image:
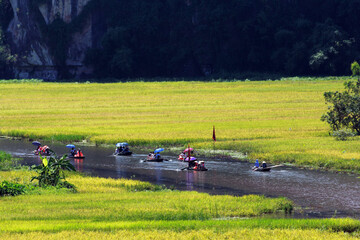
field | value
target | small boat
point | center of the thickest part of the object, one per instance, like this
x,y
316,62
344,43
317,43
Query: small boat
x,y
261,169
196,166
45,152
184,156
76,154
196,169
42,150
123,153
155,156
153,160
122,149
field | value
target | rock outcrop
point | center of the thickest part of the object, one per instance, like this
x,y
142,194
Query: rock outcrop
x,y
26,40
67,10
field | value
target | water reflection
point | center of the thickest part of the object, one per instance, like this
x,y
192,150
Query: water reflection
x,y
158,174
189,180
118,168
79,162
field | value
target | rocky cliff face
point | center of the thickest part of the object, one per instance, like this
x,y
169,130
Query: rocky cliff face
x,y
67,10
26,40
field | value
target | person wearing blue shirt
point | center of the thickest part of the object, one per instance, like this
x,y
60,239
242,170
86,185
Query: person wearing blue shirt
x,y
73,151
257,164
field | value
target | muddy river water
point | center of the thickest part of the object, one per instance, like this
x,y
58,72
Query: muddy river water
x,y
320,194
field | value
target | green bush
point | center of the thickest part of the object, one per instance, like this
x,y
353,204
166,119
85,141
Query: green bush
x,y
11,189
343,134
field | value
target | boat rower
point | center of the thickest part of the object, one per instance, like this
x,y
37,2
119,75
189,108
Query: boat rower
x,y
263,165
257,164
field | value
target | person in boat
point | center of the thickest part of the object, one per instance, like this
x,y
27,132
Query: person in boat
x,y
182,156
201,165
38,149
157,156
192,164
150,156
263,165
126,149
188,153
45,150
73,152
118,150
257,164
79,153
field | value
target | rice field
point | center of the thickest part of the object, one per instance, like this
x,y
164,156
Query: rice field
x,y
277,121
259,234
128,209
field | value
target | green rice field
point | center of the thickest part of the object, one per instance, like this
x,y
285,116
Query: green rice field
x,y
277,121
127,209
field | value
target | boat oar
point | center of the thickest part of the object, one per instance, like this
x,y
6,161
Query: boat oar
x,y
280,165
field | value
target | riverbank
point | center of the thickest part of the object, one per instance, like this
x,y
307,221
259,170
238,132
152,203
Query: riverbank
x,y
119,208
275,121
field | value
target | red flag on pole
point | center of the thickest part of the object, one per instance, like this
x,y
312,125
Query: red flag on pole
x,y
214,136
189,153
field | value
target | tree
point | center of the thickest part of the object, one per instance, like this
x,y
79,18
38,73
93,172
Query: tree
x,y
355,69
344,111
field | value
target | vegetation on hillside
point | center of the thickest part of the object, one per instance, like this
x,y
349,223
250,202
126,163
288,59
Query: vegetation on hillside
x,y
199,38
172,38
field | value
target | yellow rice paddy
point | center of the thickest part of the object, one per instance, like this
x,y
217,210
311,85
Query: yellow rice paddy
x,y
113,209
277,121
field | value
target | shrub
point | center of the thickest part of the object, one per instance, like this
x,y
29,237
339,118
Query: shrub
x,y
343,134
287,207
11,189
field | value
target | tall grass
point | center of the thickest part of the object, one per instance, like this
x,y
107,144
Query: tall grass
x,y
278,121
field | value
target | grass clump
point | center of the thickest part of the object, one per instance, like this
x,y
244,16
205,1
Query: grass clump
x,y
7,162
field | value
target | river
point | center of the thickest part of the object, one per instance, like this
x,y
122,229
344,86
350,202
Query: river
x,y
318,193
